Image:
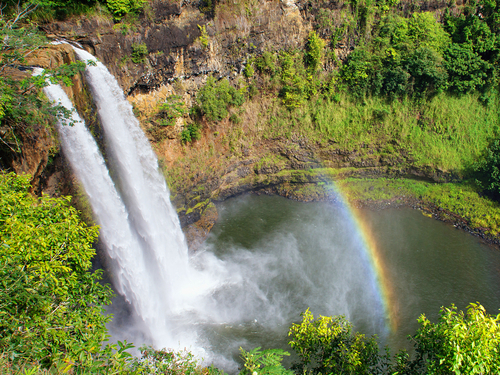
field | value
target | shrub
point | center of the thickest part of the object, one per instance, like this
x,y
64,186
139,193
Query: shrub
x,y
355,72
266,63
327,345
428,72
294,84
139,53
191,133
249,71
467,70
173,108
314,52
425,31
488,169
215,97
396,82
120,8
460,343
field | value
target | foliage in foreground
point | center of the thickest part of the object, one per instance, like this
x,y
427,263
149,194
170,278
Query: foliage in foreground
x,y
328,345
51,307
459,343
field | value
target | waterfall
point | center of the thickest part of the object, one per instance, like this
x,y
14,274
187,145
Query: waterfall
x,y
143,188
194,301
138,225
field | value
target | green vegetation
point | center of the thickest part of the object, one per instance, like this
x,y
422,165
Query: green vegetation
x,y
314,52
448,132
120,8
460,201
52,307
488,170
214,98
139,53
190,133
265,362
460,343
169,111
22,107
204,38
416,89
328,346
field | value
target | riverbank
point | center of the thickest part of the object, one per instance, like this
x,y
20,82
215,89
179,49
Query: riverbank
x,y
459,203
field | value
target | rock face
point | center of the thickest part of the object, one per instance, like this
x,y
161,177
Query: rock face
x,y
172,32
187,41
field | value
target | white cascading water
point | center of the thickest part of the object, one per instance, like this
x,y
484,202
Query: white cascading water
x,y
87,163
143,188
138,225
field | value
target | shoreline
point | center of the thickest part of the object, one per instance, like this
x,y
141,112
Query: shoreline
x,y
476,215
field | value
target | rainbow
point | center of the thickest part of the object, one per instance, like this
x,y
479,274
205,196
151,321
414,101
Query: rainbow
x,y
374,259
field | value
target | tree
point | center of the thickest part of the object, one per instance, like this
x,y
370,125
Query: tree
x,y
426,68
327,345
460,343
467,71
51,306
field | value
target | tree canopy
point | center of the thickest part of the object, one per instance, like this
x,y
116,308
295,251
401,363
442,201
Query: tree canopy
x,y
51,305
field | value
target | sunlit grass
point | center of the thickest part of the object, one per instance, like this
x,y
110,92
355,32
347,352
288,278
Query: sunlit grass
x,y
447,132
460,199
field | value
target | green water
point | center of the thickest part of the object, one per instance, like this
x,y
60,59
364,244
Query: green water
x,y
289,256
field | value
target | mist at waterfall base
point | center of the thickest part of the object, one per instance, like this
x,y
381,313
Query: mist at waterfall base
x,y
287,256
263,264
272,262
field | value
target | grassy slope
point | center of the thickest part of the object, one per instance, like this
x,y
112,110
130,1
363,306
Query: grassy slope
x,y
448,132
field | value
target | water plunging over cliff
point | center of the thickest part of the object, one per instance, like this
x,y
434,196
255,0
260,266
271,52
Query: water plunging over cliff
x,y
87,163
138,225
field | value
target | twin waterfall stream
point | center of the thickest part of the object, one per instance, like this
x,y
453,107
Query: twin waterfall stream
x,y
139,226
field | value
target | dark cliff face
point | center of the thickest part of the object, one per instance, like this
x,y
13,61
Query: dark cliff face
x,y
172,36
